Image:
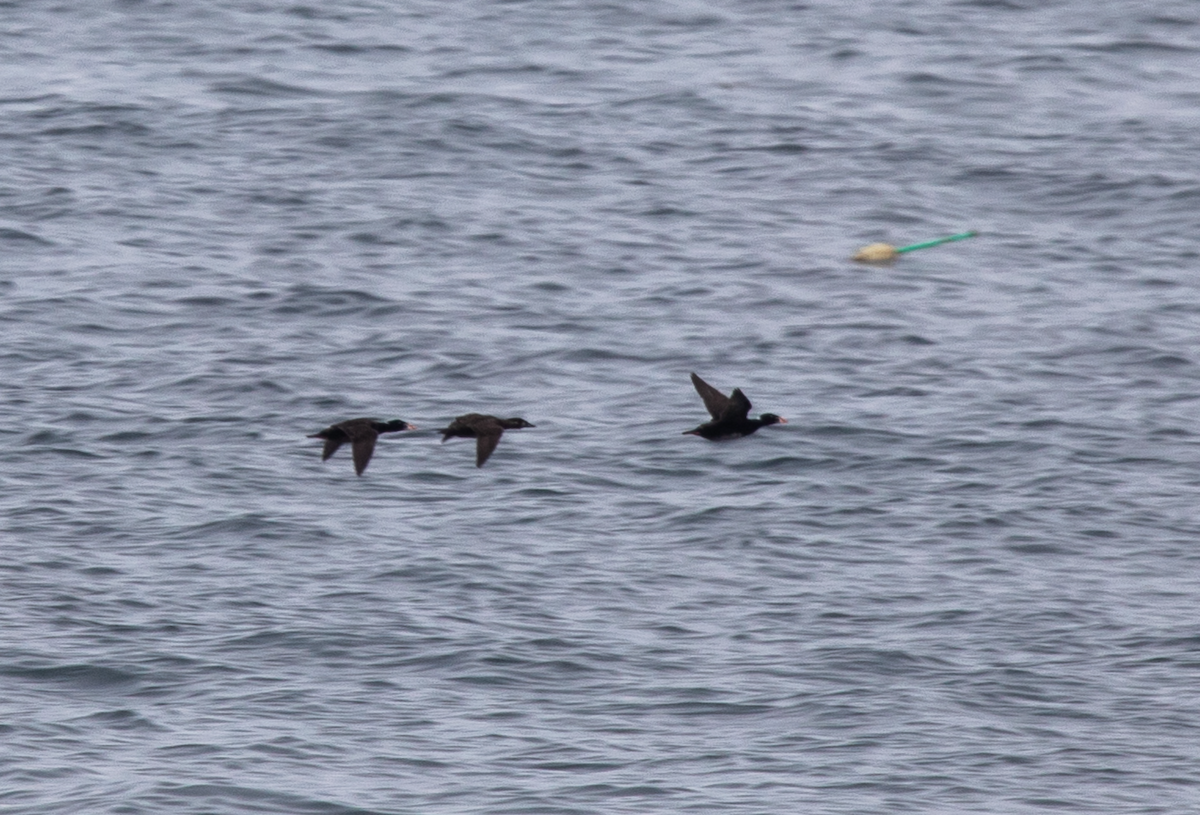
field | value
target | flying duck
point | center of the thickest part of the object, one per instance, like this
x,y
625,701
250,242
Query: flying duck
x,y
730,418
361,433
486,430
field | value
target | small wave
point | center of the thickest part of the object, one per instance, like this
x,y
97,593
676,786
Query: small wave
x,y
205,301
121,720
176,797
786,148
1005,5
1134,46
126,436
70,452
899,390
80,675
785,464
8,234
257,86
886,662
354,49
98,129
251,525
328,301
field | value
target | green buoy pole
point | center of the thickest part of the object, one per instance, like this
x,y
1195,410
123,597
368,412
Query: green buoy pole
x,y
936,242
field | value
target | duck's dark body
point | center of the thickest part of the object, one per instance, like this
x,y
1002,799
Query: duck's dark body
x,y
361,433
486,430
730,414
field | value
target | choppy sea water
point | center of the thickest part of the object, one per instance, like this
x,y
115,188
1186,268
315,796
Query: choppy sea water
x,y
963,578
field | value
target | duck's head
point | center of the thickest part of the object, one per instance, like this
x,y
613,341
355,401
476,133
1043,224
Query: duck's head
x,y
771,418
515,424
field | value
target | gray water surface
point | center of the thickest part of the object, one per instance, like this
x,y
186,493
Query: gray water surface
x,y
962,578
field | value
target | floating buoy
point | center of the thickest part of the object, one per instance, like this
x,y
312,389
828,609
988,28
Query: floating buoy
x,y
884,252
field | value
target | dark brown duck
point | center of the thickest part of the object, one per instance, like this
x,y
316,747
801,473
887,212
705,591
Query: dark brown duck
x,y
362,435
730,414
486,430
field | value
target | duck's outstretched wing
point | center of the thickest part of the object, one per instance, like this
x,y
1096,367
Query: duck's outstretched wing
x,y
363,445
331,446
716,402
738,407
334,438
485,444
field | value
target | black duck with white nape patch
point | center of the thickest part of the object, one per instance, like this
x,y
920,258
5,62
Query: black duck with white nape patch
x,y
730,414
